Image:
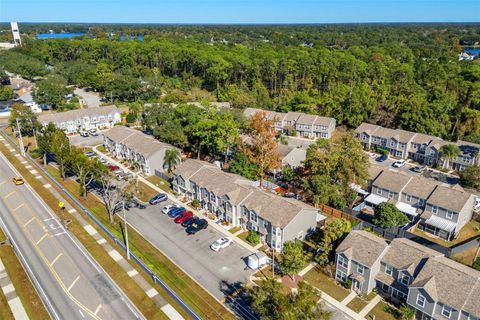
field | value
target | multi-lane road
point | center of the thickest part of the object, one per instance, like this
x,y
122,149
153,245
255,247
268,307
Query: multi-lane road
x,y
71,284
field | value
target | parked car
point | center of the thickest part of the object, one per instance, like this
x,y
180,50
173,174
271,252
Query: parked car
x,y
289,195
172,213
399,163
113,168
372,155
183,216
197,226
121,176
103,160
221,243
382,158
419,169
90,154
18,181
169,207
158,198
84,134
188,222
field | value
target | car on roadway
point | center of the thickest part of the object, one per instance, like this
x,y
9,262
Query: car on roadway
x,y
18,181
197,226
168,207
221,243
84,134
172,213
381,158
158,198
399,163
188,222
183,216
419,169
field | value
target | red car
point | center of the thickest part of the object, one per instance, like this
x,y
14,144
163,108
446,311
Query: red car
x,y
113,168
184,216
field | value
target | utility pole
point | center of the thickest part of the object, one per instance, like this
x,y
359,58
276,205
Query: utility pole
x,y
125,228
22,149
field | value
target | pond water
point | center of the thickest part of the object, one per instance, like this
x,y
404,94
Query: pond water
x,y
62,35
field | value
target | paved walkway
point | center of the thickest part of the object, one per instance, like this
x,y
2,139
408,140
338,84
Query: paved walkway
x,y
150,291
174,199
370,306
13,300
349,298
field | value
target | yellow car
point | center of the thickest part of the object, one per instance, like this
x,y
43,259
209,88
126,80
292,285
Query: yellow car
x,y
18,181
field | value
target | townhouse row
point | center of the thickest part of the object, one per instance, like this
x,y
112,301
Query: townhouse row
x,y
83,119
403,271
239,202
417,146
306,125
442,209
137,148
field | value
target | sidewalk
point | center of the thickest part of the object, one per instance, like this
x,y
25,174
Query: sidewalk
x,y
13,300
226,233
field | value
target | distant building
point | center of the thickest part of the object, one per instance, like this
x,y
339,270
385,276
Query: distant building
x,y
83,119
137,147
27,99
17,40
465,56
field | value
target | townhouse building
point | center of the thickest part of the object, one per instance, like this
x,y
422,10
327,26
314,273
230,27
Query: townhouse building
x,y
306,125
137,148
416,146
291,156
83,119
441,209
406,272
239,202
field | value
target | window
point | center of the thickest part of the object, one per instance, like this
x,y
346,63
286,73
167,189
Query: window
x,y
449,215
405,279
409,198
212,197
390,194
342,261
420,300
253,217
341,276
421,201
388,270
446,311
300,235
379,191
265,223
360,269
434,209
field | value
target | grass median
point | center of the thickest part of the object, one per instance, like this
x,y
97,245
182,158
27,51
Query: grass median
x,y
138,296
193,294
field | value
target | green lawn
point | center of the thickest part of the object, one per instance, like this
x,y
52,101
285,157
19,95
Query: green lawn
x,y
381,311
144,192
234,229
357,304
161,183
320,280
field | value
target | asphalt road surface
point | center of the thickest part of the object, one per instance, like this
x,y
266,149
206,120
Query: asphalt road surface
x,y
69,281
213,270
79,141
92,100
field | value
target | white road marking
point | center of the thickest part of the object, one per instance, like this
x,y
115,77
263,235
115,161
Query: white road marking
x,y
24,162
28,222
91,230
8,195
115,255
38,177
171,312
8,288
12,150
132,273
33,171
56,258
43,237
73,283
47,185
28,167
72,211
59,234
19,207
98,309
81,313
101,241
151,293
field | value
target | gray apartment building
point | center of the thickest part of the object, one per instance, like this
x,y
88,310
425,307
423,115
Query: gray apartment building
x,y
239,202
83,119
441,209
417,146
137,147
306,125
406,272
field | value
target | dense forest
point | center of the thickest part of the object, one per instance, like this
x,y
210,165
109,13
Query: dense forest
x,y
405,76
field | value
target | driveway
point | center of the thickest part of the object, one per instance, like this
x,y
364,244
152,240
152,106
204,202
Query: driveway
x,y
89,141
91,99
192,253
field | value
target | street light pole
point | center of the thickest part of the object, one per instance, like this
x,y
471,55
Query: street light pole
x,y
22,149
125,228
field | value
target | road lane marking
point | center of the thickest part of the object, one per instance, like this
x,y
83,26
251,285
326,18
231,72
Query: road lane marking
x,y
98,309
101,241
73,283
72,211
47,185
8,195
33,171
29,221
151,293
115,255
132,273
48,219
91,230
43,237
56,258
19,206
38,177
81,313
59,234
28,167
24,162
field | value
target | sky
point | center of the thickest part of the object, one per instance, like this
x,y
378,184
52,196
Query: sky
x,y
240,11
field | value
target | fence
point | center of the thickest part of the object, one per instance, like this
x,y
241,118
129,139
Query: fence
x,y
162,175
137,260
337,213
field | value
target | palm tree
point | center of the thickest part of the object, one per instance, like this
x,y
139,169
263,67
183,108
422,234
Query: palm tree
x,y
171,159
449,152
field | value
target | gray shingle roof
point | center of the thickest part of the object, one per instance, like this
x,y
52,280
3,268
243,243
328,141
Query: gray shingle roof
x,y
449,198
137,141
362,246
77,114
450,282
367,128
421,187
393,181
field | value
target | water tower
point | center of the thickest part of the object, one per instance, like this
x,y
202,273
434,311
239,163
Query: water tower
x,y
16,34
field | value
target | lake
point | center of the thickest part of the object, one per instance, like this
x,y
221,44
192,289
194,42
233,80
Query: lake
x,y
65,35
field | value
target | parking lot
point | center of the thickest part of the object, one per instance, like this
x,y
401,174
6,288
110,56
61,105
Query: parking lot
x,y
192,253
89,141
